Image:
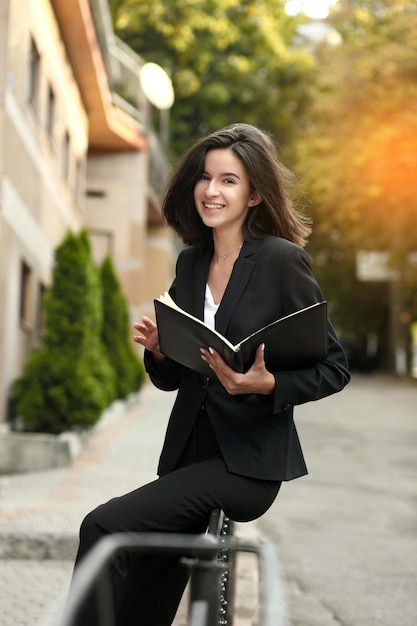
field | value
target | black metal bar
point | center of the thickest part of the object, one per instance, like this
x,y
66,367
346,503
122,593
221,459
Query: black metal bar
x,y
205,586
105,605
272,598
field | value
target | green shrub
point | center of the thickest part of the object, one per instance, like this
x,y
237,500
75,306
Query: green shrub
x,y
68,381
55,393
130,372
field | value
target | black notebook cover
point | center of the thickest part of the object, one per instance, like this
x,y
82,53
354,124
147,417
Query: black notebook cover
x,y
295,341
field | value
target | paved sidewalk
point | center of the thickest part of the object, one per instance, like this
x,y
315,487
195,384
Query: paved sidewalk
x,y
347,532
40,513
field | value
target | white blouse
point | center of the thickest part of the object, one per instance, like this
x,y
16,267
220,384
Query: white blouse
x,y
210,308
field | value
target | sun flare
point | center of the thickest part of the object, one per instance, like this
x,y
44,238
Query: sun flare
x,y
315,9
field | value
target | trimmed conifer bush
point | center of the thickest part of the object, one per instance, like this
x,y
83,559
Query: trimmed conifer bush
x,y
130,372
68,381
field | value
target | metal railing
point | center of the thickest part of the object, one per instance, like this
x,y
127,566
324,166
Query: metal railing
x,y
121,62
202,549
123,67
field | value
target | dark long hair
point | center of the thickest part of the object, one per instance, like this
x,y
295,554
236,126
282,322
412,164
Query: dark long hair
x,y
274,215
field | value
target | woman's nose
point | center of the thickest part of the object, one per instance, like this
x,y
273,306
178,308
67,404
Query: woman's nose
x,y
212,188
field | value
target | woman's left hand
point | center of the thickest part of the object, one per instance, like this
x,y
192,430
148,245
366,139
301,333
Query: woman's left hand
x,y
256,380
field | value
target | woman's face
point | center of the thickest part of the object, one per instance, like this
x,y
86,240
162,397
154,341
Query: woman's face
x,y
222,193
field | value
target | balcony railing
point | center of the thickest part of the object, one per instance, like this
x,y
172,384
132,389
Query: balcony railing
x,y
123,67
121,62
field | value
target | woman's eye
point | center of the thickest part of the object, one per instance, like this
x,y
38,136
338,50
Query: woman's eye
x,y
229,181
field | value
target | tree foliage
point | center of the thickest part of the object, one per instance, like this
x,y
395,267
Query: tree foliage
x,y
361,134
129,370
357,151
230,61
344,117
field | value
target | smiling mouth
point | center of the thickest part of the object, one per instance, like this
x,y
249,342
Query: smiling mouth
x,y
213,207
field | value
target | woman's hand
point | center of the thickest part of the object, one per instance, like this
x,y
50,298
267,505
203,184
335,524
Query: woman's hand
x,y
149,338
256,380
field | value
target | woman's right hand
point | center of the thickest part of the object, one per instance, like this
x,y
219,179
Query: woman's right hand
x,y
149,338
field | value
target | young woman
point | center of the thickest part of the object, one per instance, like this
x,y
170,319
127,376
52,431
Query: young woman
x,y
230,441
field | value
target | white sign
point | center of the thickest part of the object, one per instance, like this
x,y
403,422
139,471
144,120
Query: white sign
x,y
374,266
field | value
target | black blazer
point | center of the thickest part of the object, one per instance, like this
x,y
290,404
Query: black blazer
x,y
256,433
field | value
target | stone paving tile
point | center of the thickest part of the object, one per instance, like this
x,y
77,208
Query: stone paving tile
x,y
33,592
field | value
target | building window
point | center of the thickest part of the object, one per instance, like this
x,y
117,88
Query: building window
x,y
78,185
25,288
50,113
95,193
34,73
66,156
40,313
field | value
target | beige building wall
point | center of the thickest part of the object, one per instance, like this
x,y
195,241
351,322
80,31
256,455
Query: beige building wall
x,y
52,179
43,145
4,13
116,217
161,256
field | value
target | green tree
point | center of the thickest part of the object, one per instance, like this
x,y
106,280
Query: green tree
x,y
357,149
357,153
230,61
129,369
68,380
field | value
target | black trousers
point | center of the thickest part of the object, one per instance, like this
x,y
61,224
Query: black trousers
x,y
148,588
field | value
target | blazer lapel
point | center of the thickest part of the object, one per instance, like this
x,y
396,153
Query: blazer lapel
x,y
199,287
241,273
